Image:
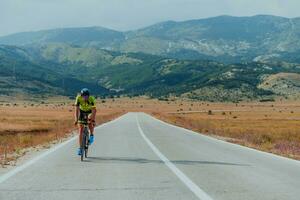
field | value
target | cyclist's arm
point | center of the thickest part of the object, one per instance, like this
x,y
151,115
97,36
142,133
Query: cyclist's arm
x,y
94,110
77,110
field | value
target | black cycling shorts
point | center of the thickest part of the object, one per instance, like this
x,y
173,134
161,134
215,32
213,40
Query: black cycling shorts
x,y
83,116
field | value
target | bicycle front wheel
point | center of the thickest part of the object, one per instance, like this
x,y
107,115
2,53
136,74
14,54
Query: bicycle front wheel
x,y
86,144
82,146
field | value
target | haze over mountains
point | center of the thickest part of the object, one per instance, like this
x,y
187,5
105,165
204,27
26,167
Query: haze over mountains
x,y
166,58
223,38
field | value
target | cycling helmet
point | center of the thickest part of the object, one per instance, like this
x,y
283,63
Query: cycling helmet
x,y
85,92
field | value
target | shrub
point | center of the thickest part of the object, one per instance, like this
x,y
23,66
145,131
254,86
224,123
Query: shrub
x,y
267,100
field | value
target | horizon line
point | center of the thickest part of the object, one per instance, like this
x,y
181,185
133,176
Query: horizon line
x,y
112,29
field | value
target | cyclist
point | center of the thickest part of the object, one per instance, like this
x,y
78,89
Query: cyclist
x,y
85,104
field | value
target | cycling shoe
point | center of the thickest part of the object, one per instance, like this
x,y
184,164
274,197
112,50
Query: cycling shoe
x,y
91,140
79,151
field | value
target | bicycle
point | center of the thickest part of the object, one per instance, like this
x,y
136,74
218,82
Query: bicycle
x,y
85,137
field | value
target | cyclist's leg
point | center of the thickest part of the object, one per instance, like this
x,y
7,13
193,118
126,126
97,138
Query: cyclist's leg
x,y
92,117
80,126
91,127
94,111
80,131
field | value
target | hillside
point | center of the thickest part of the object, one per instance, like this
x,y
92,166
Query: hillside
x,y
63,69
283,84
195,59
224,39
19,74
78,36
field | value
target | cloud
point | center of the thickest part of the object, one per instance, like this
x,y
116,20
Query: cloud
x,y
27,15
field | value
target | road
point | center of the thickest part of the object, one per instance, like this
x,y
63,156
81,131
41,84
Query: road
x,y
139,157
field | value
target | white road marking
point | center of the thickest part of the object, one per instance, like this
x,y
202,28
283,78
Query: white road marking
x,y
186,180
11,173
16,170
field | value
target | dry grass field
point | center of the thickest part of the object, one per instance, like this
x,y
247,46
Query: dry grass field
x,y
268,126
29,124
272,127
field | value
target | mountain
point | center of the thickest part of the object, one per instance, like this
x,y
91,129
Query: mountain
x,y
224,39
77,36
63,69
20,75
218,59
285,84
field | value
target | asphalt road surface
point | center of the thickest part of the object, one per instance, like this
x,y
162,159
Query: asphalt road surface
x,y
139,157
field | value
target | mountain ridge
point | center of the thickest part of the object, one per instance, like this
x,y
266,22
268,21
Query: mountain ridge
x,y
167,21
223,38
115,73
224,58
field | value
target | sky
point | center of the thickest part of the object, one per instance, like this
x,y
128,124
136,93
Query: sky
x,y
122,15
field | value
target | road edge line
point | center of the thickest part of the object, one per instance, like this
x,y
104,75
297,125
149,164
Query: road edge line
x,y
20,168
225,142
184,178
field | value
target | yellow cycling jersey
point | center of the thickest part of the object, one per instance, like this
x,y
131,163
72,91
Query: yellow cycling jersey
x,y
85,106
